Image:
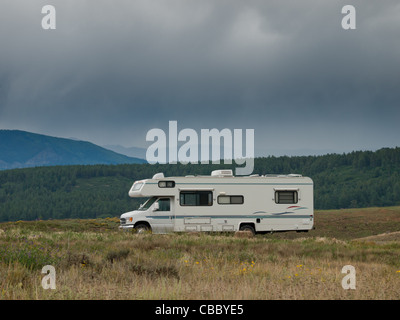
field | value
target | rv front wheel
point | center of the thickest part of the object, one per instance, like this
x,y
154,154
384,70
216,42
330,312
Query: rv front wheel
x,y
142,228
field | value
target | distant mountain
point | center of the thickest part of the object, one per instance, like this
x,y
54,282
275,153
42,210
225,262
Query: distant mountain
x,y
128,151
21,149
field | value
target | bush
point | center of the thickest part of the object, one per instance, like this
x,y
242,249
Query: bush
x,y
117,255
32,256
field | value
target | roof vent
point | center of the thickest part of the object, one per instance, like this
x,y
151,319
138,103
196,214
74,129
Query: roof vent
x,y
222,173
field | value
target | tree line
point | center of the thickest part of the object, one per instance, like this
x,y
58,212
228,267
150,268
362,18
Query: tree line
x,y
356,179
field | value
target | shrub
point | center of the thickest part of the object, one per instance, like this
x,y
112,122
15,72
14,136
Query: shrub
x,y
117,255
31,255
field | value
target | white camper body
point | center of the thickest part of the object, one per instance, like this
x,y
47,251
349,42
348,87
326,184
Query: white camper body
x,y
222,202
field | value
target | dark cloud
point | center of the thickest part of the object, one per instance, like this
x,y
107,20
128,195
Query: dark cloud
x,y
114,70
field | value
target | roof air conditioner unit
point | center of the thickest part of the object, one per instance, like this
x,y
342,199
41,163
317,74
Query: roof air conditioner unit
x,y
222,173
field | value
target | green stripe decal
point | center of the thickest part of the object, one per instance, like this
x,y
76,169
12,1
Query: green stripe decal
x,y
239,183
234,217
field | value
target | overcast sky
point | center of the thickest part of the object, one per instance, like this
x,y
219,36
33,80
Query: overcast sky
x,y
113,70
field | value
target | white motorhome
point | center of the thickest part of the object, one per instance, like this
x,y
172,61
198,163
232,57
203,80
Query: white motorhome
x,y
222,202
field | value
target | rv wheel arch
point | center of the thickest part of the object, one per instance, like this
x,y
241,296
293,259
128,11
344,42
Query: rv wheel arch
x,y
248,227
142,227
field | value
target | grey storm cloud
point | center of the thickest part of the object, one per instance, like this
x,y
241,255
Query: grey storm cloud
x,y
112,70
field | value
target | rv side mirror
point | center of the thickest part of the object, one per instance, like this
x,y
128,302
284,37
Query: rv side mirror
x,y
156,206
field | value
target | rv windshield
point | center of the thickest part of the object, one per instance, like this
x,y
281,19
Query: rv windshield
x,y
147,204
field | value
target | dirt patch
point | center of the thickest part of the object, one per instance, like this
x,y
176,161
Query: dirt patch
x,y
383,237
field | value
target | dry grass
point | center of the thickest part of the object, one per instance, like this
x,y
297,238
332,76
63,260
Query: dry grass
x,y
96,261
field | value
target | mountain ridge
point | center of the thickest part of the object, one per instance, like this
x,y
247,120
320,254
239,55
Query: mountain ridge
x,y
23,149
134,152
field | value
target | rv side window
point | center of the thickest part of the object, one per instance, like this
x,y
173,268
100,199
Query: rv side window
x,y
230,199
196,198
286,197
166,184
164,204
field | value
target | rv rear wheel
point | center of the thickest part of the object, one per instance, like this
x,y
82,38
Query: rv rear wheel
x,y
248,228
142,228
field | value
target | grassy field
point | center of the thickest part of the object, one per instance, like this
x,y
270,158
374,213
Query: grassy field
x,y
94,260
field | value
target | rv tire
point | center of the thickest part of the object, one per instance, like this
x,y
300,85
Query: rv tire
x,y
142,228
248,228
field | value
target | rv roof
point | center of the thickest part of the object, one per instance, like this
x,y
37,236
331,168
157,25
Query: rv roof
x,y
228,173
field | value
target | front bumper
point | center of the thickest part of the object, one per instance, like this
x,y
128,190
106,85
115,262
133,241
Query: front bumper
x,y
126,227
